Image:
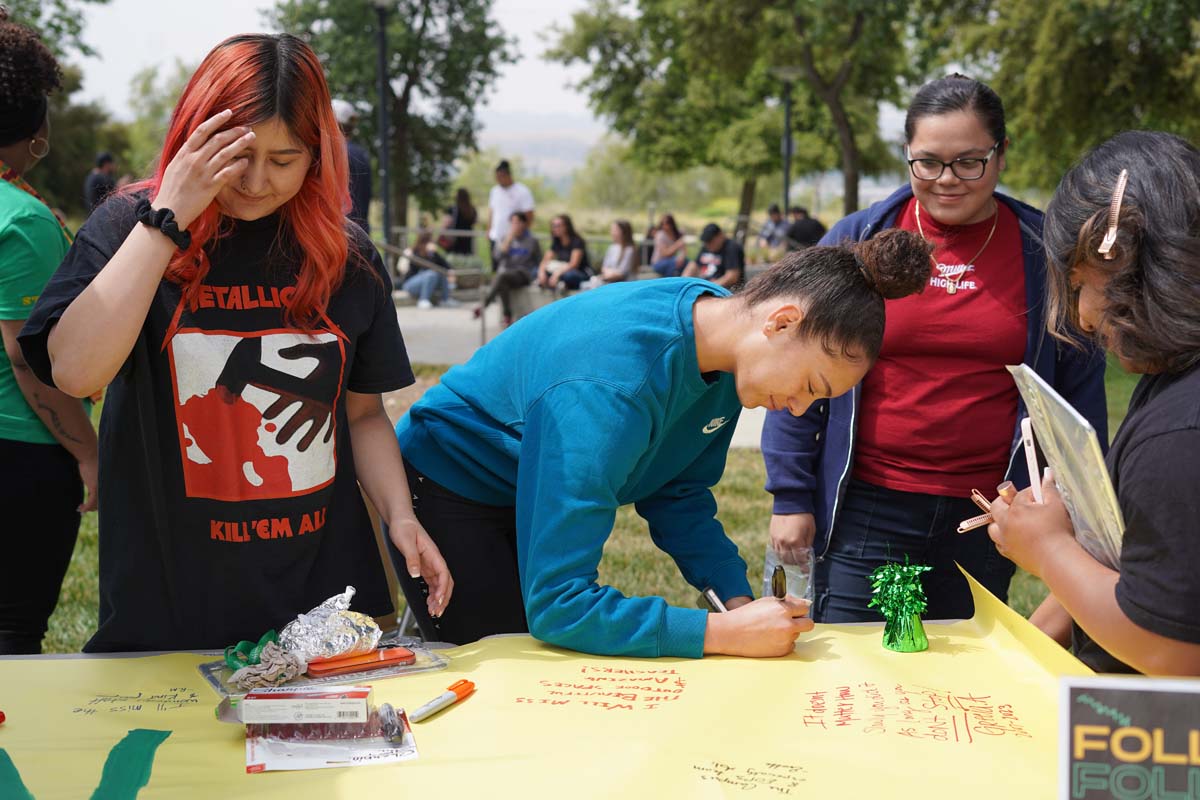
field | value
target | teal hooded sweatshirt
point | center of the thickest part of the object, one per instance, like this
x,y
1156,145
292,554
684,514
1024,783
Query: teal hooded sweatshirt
x,y
591,403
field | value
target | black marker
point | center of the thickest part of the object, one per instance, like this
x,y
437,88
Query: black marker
x,y
779,582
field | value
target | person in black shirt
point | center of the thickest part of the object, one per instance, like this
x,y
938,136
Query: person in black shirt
x,y
720,260
360,165
100,182
804,231
248,332
461,216
566,262
1135,286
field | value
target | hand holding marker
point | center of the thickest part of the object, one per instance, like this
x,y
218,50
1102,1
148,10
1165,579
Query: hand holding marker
x,y
1006,489
778,589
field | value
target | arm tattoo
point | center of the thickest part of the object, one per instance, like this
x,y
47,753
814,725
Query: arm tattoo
x,y
56,423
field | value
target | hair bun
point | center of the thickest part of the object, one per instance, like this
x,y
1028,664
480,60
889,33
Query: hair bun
x,y
895,262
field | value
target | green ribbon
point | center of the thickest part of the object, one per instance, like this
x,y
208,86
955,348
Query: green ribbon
x,y
245,654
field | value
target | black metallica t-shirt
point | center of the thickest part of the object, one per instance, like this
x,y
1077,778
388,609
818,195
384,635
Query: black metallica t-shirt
x,y
228,496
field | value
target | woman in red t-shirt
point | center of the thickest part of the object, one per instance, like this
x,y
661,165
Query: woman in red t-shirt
x,y
937,414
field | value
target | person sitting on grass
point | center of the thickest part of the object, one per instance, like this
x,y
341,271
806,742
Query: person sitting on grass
x,y
566,262
518,256
1135,288
519,459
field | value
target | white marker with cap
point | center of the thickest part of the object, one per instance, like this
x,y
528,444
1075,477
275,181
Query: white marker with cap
x,y
457,691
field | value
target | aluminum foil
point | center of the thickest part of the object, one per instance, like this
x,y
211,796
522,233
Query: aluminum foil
x,y
331,629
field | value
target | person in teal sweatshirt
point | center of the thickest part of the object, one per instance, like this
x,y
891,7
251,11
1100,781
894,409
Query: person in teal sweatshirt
x,y
519,459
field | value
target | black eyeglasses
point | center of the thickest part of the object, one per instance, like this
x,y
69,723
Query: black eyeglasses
x,y
965,169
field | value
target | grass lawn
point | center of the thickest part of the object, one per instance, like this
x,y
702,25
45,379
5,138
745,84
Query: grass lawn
x,y
631,561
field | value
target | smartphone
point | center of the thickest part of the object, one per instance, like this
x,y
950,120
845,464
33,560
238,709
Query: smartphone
x,y
1031,462
387,657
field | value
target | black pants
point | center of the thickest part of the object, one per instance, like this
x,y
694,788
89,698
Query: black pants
x,y
39,493
479,543
503,285
877,525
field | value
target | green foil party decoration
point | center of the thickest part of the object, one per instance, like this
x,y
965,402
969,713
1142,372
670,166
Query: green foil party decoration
x,y
900,598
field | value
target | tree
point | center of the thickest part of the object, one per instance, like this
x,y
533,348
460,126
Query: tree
x,y
443,56
850,55
58,22
695,82
670,108
612,179
78,131
1073,73
154,91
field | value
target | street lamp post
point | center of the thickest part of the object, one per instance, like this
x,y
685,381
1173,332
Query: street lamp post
x,y
787,142
789,75
385,165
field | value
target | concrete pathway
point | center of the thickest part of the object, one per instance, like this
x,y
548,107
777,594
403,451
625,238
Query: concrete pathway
x,y
451,336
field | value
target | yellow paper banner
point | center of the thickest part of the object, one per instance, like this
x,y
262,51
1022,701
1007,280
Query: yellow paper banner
x,y
975,716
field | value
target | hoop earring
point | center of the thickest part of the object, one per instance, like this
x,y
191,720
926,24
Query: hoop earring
x,y
42,154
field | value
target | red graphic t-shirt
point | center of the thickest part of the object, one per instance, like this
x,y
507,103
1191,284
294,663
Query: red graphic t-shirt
x,y
939,409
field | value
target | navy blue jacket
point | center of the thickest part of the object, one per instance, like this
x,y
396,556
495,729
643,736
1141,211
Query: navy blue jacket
x,y
809,457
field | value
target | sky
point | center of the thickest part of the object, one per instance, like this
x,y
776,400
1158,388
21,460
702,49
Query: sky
x,y
531,112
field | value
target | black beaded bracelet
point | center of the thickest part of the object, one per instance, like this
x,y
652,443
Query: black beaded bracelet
x,y
163,219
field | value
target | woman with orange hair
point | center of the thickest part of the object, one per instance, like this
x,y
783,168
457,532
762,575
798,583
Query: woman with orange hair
x,y
247,331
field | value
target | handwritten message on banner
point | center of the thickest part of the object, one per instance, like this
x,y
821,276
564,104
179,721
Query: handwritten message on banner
x,y
918,712
169,700
612,688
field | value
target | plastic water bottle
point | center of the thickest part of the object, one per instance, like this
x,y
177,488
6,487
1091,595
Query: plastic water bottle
x,y
799,576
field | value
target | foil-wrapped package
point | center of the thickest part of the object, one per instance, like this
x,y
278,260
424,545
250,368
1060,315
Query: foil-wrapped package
x,y
331,629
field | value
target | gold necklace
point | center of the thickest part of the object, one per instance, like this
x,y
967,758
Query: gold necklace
x,y
952,283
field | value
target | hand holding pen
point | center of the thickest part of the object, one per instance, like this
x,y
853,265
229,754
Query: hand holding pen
x,y
1007,491
765,627
1032,534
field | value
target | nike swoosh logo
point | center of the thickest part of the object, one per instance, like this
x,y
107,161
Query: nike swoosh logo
x,y
715,425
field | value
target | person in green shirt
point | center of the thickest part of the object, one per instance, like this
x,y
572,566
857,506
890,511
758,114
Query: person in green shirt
x,y
48,451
